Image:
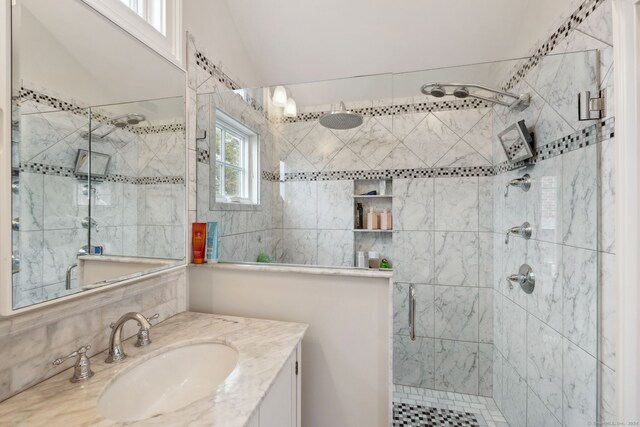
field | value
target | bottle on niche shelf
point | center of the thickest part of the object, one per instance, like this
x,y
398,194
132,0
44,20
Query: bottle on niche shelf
x,y
385,220
359,217
372,220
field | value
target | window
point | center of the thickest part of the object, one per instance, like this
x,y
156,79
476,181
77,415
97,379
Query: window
x,y
152,11
236,161
157,23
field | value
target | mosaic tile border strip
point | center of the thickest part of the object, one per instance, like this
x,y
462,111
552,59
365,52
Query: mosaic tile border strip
x,y
222,77
40,168
25,94
599,132
203,156
60,105
464,171
392,110
591,135
576,18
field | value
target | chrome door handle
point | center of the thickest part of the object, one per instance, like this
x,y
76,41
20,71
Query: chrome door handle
x,y
412,313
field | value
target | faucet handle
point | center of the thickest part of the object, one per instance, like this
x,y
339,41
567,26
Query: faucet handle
x,y
82,368
143,333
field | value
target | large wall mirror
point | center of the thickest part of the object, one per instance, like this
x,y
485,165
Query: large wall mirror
x,y
98,153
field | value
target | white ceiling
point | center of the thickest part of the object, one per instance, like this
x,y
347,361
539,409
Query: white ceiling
x,y
299,41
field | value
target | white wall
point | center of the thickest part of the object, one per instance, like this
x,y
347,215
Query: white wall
x,y
346,352
215,31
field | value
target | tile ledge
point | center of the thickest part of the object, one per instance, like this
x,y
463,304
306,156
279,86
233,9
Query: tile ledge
x,y
285,268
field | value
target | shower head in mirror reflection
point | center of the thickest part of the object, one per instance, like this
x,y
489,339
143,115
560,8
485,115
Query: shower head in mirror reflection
x,y
471,90
118,122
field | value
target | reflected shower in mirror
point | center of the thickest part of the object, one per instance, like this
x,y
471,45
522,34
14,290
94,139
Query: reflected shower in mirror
x,y
98,153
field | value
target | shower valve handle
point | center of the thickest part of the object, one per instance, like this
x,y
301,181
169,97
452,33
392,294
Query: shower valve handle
x,y
523,231
523,183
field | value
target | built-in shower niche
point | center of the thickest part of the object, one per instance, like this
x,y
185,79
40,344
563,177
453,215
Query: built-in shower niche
x,y
373,240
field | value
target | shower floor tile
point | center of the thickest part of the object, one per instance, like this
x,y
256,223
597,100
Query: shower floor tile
x,y
417,407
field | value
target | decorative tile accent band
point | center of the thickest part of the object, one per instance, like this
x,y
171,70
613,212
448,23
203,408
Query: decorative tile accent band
x,y
583,11
392,110
60,105
203,156
216,72
601,131
39,168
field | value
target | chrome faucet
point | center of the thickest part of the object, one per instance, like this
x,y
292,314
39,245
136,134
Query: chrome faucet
x,y
68,278
116,352
523,183
525,278
82,369
523,231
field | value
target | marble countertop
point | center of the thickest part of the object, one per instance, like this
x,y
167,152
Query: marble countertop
x,y
263,345
286,268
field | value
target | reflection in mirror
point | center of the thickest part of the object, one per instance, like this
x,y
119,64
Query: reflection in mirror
x,y
98,153
347,171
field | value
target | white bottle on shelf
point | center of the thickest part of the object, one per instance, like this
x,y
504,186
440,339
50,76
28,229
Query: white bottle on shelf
x,y
372,220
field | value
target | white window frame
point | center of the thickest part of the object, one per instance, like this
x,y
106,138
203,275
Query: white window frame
x,y
168,45
250,160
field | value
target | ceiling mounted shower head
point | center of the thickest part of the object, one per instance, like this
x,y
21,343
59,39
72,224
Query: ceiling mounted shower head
x,y
461,92
434,89
341,119
134,118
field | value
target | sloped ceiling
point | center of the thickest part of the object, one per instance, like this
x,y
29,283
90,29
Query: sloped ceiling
x,y
295,41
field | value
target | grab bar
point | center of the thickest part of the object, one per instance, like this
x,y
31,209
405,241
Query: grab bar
x,y
412,313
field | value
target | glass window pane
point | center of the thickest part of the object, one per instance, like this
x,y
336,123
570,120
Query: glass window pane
x,y
218,144
232,150
218,179
232,182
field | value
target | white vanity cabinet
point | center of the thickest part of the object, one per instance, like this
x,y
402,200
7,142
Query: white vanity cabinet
x,y
281,405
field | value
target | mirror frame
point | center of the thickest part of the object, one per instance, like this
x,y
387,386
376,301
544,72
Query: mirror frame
x,y
6,282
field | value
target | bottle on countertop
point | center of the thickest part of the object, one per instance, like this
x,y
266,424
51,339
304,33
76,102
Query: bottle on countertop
x,y
385,220
361,260
372,220
359,217
374,260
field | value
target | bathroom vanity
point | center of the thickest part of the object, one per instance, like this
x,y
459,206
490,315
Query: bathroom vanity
x,y
251,367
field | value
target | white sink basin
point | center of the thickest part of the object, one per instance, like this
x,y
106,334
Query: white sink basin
x,y
167,382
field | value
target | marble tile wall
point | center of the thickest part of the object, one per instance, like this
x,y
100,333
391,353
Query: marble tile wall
x,y
245,231
133,219
441,247
546,353
30,342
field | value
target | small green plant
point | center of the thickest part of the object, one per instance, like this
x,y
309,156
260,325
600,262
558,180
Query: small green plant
x,y
264,257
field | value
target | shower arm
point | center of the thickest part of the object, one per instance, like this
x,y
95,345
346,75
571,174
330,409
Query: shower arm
x,y
516,98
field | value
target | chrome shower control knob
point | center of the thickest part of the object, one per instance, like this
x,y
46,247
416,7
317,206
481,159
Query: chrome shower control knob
x,y
525,278
523,183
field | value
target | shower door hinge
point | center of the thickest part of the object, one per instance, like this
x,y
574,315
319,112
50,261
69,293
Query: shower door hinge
x,y
296,367
590,108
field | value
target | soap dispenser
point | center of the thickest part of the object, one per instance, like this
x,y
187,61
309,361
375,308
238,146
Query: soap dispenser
x,y
372,220
385,220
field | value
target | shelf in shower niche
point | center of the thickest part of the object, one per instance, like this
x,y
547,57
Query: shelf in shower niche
x,y
364,230
377,196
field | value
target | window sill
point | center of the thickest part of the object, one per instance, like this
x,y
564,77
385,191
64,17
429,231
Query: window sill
x,y
235,206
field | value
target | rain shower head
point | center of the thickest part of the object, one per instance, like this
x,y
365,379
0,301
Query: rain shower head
x,y
341,119
118,122
437,91
463,90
